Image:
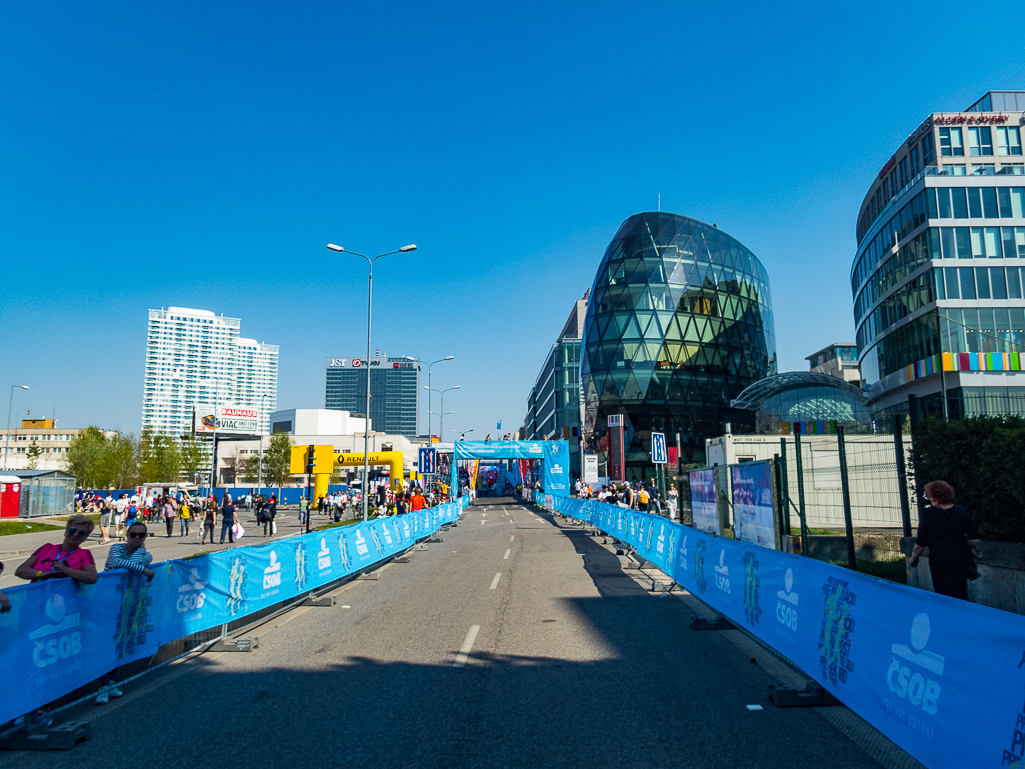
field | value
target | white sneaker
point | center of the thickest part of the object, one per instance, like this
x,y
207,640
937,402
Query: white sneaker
x,y
103,698
114,692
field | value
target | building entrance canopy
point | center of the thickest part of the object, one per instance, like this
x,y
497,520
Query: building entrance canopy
x,y
554,456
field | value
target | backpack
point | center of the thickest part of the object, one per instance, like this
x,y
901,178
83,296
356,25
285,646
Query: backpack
x,y
644,497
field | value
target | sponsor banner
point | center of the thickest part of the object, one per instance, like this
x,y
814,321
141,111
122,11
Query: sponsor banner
x,y
590,468
752,503
500,449
228,418
703,503
374,363
556,468
895,655
60,634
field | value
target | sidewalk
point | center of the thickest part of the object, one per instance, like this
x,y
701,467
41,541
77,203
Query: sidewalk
x,y
15,548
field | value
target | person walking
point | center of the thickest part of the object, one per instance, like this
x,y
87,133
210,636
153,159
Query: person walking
x,y
950,533
106,510
209,520
673,502
228,520
270,511
184,516
169,512
120,509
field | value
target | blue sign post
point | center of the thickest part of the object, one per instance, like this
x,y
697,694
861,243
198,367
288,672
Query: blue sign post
x,y
428,461
659,455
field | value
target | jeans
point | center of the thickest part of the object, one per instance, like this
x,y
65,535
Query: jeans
x,y
228,526
169,522
184,530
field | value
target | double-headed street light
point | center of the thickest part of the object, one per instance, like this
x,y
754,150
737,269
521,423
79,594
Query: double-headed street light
x,y
429,402
370,301
10,405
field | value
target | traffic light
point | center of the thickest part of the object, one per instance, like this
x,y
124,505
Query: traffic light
x,y
309,459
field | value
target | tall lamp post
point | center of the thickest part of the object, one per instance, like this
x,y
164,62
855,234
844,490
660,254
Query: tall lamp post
x,y
7,438
370,305
441,427
259,471
429,403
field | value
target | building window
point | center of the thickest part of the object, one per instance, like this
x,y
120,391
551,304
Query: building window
x,y
1009,141
958,170
950,143
903,172
916,164
928,149
980,141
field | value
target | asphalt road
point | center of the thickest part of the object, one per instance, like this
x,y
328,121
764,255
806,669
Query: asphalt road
x,y
516,642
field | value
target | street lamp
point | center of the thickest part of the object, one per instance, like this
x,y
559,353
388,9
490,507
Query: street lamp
x,y
10,405
370,304
429,402
462,432
259,472
441,427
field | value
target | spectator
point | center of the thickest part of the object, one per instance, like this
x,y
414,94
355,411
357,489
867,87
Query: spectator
x,y
184,516
105,513
654,504
169,515
950,533
270,511
673,502
228,520
417,501
68,559
131,555
131,514
209,520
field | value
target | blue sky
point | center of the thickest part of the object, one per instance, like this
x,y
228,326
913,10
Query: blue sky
x,y
202,154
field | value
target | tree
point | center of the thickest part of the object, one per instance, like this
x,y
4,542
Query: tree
x,y
250,469
191,456
34,452
119,467
161,458
278,460
232,466
85,455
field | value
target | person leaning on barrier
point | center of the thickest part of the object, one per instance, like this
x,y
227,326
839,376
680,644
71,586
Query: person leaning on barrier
x,y
950,533
68,559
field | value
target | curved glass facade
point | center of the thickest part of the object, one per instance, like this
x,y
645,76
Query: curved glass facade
x,y
804,396
678,324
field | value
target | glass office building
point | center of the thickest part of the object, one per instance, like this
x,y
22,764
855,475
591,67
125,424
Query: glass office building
x,y
394,391
938,275
679,322
775,403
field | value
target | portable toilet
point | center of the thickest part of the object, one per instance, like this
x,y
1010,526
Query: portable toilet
x,y
10,495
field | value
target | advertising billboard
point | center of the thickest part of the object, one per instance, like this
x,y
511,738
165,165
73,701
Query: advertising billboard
x,y
703,504
590,468
375,363
228,419
753,515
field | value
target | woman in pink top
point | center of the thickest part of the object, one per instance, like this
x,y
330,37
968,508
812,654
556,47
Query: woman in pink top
x,y
68,559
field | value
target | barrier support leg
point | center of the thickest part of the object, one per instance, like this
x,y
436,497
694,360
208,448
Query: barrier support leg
x,y
811,696
38,737
719,623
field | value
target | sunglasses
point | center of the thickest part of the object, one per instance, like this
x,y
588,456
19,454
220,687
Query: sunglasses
x,y
78,532
138,535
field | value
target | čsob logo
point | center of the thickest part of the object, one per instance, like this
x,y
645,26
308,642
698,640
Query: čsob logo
x,y
191,595
361,543
272,574
324,556
918,688
722,573
786,602
64,645
683,555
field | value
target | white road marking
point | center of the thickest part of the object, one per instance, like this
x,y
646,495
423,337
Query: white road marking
x,y
512,537
483,522
506,556
494,582
464,650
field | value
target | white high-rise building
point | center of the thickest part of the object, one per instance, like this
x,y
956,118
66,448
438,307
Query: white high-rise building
x,y
195,359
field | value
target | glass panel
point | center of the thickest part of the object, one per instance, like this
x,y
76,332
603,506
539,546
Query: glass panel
x,y
930,202
951,282
991,242
967,282
1018,202
982,282
964,248
943,196
974,203
947,239
960,203
1004,198
996,281
1013,283
937,284
977,251
989,203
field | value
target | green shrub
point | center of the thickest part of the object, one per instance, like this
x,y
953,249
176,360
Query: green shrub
x,y
983,458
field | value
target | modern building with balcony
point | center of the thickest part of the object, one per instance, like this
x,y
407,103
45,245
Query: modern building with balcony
x,y
840,359
940,265
679,322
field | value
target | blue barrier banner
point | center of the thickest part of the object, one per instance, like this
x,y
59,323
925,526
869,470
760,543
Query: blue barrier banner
x,y
60,634
942,678
555,456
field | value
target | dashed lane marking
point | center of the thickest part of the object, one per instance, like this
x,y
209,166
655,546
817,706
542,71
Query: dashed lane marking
x,y
494,582
464,650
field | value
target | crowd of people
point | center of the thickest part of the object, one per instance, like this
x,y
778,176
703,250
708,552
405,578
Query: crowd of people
x,y
635,496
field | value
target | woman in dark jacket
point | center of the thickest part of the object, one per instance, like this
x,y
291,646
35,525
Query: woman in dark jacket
x,y
949,532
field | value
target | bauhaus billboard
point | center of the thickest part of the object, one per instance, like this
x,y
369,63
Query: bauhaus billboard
x,y
228,418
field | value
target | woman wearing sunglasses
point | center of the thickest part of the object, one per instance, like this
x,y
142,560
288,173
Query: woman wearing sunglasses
x,y
131,554
68,559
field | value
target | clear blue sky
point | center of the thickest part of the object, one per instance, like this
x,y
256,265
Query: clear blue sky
x,y
202,154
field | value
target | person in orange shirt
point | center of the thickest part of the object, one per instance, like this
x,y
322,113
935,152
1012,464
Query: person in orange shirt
x,y
417,502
